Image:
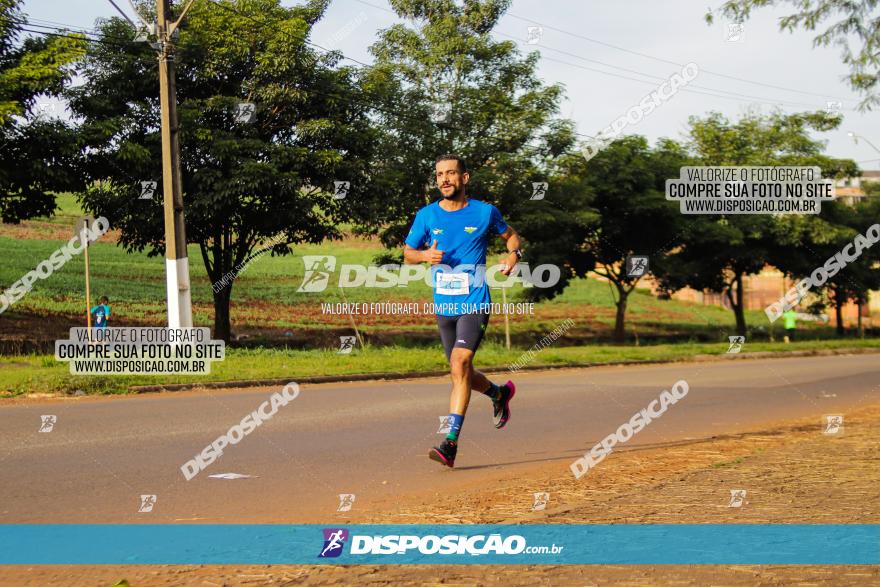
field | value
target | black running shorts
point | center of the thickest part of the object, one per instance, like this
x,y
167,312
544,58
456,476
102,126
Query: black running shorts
x,y
465,331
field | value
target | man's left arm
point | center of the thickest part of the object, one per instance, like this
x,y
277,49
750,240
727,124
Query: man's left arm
x,y
513,249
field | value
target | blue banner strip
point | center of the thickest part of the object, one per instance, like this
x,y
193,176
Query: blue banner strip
x,y
729,544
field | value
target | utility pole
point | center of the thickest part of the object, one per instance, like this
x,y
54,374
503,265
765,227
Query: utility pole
x,y
176,261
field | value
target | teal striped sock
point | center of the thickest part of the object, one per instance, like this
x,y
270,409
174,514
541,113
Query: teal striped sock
x,y
455,422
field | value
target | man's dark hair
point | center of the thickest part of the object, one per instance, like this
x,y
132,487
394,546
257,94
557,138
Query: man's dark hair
x,y
104,300
462,166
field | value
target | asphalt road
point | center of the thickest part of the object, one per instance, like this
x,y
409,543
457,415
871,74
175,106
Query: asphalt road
x,y
371,439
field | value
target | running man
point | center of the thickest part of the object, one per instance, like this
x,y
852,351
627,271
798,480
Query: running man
x,y
456,231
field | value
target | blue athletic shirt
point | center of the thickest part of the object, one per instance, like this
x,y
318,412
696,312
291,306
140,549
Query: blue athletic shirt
x,y
463,236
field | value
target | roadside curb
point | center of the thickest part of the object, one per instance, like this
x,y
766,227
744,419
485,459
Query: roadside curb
x,y
428,374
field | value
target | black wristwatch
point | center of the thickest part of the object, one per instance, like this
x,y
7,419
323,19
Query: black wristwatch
x,y
518,253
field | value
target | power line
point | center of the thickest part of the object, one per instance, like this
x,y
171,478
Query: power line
x,y
668,61
84,37
401,115
694,89
682,89
542,46
125,16
534,149
691,89
55,25
524,146
657,77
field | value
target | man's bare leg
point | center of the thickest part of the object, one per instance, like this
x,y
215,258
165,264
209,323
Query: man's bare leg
x,y
464,379
462,372
479,382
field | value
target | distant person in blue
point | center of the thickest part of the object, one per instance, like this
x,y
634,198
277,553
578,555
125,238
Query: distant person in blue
x,y
452,234
101,313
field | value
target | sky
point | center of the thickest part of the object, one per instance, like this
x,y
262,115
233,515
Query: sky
x,y
604,53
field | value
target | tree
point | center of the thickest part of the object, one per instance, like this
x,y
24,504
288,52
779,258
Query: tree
x,y
810,241
626,184
442,84
855,20
805,242
718,252
247,177
38,152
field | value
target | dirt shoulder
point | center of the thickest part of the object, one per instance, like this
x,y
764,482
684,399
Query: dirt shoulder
x,y
792,473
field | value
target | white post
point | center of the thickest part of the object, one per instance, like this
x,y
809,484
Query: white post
x,y
506,320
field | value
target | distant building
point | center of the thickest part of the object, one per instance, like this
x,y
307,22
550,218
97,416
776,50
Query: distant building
x,y
850,189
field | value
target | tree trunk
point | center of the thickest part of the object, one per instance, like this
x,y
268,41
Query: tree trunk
x,y
861,326
222,328
838,310
738,303
619,319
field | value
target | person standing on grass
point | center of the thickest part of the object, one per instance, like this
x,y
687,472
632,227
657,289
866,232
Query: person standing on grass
x,y
456,230
789,318
101,313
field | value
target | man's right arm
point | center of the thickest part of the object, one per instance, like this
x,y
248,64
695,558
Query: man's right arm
x,y
418,236
412,256
433,255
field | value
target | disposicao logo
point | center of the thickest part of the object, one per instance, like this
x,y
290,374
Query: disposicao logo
x,y
335,538
334,541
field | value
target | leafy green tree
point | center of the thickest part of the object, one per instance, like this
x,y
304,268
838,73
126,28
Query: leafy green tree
x,y
718,252
245,179
806,242
852,25
837,227
37,152
442,84
625,186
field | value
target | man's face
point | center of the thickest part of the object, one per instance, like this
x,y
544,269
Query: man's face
x,y
450,180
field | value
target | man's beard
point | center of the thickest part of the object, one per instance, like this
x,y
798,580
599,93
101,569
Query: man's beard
x,y
453,195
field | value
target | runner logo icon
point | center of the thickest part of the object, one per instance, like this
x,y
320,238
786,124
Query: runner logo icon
x,y
737,498
346,500
147,503
736,344
334,541
833,424
636,266
317,274
47,423
340,189
346,345
541,500
539,190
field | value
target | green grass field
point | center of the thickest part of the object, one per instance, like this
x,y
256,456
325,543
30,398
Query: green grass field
x,y
265,294
37,374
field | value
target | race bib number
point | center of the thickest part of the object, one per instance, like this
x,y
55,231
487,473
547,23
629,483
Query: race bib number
x,y
452,284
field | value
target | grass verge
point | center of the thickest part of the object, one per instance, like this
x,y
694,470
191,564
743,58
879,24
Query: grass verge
x,y
41,374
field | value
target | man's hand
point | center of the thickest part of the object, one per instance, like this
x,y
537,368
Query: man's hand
x,y
432,255
509,263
